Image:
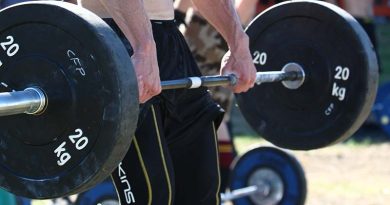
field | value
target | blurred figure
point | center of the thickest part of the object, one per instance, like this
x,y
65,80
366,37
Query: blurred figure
x,y
363,12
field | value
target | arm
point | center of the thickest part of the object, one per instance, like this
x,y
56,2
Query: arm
x,y
246,10
222,15
132,19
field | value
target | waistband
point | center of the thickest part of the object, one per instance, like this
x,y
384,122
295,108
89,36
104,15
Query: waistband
x,y
168,23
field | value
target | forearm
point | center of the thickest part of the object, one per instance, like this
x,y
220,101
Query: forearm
x,y
222,15
246,10
132,19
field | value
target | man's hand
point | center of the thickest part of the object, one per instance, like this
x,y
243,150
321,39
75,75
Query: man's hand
x,y
148,76
132,19
239,62
222,15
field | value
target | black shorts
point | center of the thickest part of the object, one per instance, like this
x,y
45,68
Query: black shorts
x,y
173,158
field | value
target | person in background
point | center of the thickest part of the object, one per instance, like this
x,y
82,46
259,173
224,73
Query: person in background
x,y
363,12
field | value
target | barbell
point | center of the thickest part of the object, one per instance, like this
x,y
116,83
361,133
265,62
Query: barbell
x,y
34,100
69,72
266,175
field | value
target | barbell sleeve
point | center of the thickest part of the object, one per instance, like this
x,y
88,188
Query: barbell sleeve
x,y
30,101
276,76
239,193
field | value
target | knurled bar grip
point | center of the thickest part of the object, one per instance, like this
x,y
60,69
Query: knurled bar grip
x,y
196,82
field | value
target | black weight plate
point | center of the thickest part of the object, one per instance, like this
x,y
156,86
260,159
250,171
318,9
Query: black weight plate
x,y
104,194
341,75
280,166
92,94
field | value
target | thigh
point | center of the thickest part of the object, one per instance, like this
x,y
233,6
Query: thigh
x,y
196,166
145,175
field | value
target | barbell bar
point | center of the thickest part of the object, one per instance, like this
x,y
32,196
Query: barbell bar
x,y
292,76
33,100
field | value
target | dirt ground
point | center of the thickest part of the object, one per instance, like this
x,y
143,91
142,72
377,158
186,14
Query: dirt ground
x,y
345,174
352,173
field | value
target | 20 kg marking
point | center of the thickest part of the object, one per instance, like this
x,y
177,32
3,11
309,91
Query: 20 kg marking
x,y
9,47
78,140
12,48
341,74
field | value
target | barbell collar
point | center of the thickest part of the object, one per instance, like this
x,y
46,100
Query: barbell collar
x,y
292,76
29,101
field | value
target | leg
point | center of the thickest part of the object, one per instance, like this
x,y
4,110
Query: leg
x,y
197,168
227,153
208,47
145,175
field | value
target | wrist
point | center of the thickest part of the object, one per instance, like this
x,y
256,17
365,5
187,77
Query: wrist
x,y
145,48
240,45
